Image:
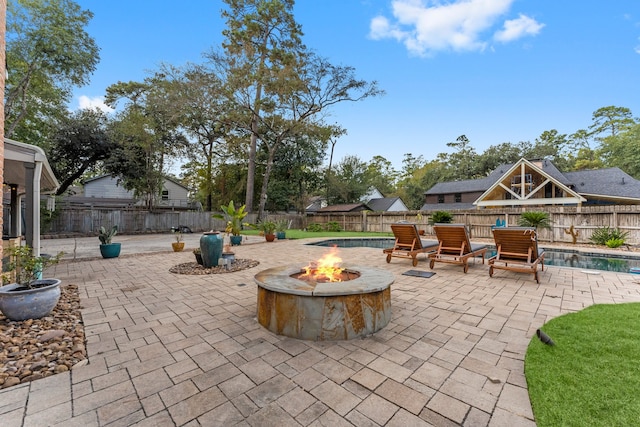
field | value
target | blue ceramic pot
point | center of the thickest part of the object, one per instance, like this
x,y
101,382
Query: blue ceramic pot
x,y
17,303
235,240
211,248
110,250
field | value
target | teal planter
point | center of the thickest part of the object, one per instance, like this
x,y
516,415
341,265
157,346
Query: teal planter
x,y
281,235
20,303
110,250
235,240
211,248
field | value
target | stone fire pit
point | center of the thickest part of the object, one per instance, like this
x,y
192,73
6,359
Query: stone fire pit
x,y
324,310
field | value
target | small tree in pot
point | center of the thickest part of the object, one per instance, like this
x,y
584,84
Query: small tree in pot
x,y
234,219
30,297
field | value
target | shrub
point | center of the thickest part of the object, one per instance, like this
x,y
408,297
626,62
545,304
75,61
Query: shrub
x,y
536,219
602,235
315,227
615,243
441,217
333,226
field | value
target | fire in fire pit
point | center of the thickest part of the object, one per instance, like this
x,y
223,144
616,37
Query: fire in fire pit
x,y
355,302
326,269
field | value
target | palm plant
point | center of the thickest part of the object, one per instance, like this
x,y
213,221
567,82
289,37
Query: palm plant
x,y
535,219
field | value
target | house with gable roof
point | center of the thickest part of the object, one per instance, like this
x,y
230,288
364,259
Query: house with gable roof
x,y
535,183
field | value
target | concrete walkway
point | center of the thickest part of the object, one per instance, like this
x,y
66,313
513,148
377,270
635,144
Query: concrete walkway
x,y
183,350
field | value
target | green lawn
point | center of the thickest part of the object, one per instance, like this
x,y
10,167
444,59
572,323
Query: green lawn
x,y
301,234
591,377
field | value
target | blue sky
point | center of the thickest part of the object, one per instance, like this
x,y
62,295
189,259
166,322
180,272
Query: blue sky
x,y
494,70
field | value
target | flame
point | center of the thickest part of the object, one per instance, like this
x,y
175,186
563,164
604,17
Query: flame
x,y
326,269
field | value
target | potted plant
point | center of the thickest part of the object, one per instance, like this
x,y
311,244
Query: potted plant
x,y
31,296
281,229
198,254
107,248
178,245
268,228
234,219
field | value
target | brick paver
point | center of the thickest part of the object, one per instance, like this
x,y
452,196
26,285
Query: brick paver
x,y
167,349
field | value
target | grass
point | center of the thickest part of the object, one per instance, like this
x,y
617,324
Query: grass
x,y
591,376
301,234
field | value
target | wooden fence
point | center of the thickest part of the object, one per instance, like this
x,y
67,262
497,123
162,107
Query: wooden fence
x,y
584,220
134,221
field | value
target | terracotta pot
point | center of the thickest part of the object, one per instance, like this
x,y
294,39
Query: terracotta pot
x,y
270,237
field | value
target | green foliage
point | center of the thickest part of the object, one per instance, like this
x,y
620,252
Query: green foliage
x,y
602,235
282,225
615,243
590,377
233,216
48,52
333,226
105,235
267,226
27,267
536,219
441,217
315,227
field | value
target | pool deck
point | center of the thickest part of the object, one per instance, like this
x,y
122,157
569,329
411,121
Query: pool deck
x,y
184,350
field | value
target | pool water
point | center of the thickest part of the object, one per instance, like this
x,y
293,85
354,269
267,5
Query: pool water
x,y
555,257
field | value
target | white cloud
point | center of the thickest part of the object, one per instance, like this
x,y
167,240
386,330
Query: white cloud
x,y
86,103
429,26
516,28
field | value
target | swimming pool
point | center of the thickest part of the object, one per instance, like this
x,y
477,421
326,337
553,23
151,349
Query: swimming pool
x,y
557,257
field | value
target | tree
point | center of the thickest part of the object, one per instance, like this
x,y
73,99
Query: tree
x,y
610,119
381,175
146,133
48,52
348,181
80,142
623,151
263,45
462,162
197,95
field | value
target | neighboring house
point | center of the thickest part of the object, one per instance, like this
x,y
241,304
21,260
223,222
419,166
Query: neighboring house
x,y
377,202
315,203
345,208
387,204
535,183
27,175
105,190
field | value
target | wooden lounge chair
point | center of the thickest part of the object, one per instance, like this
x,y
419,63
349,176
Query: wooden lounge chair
x,y
408,243
517,250
454,246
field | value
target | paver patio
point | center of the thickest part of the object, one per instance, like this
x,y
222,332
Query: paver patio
x,y
186,350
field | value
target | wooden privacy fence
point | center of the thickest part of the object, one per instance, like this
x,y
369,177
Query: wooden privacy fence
x,y
133,221
584,221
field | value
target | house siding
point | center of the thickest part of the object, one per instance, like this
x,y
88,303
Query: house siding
x,y
106,187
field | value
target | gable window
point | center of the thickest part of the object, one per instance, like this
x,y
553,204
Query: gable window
x,y
458,197
440,198
165,194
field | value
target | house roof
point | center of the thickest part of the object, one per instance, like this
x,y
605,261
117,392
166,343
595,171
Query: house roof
x,y
16,154
97,178
610,182
349,207
483,184
382,203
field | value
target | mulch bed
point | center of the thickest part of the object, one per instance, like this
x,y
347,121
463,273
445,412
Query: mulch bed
x,y
197,269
